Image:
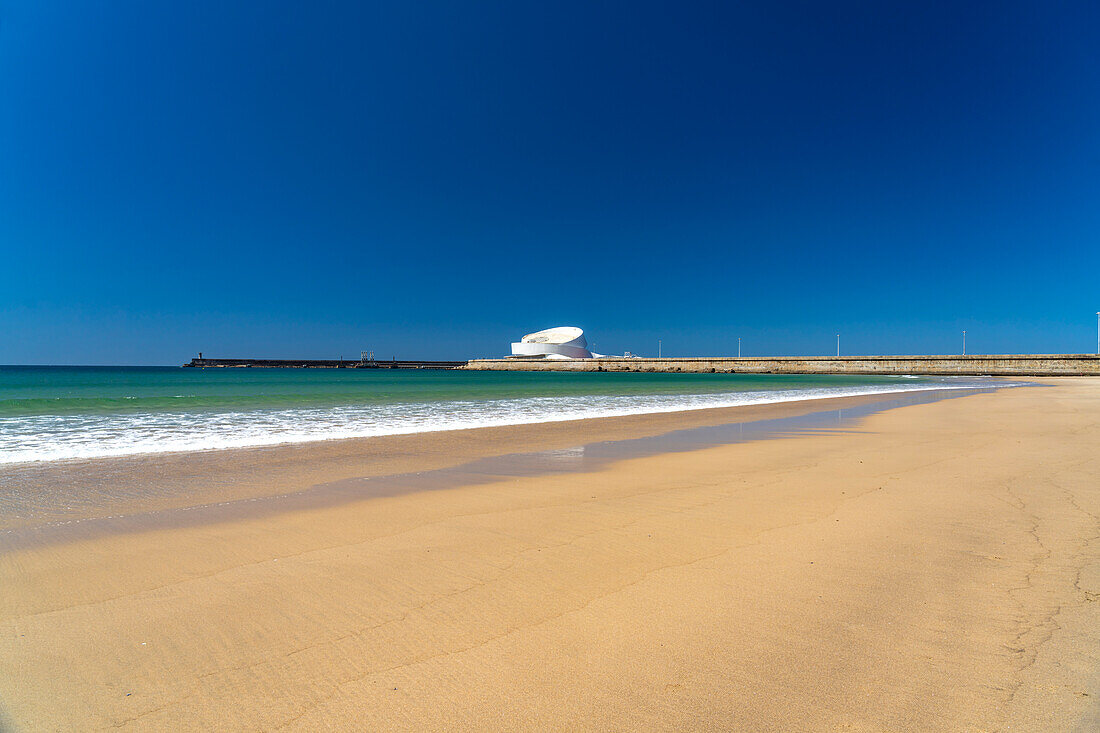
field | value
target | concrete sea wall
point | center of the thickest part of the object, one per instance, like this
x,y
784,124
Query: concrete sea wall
x,y
1015,365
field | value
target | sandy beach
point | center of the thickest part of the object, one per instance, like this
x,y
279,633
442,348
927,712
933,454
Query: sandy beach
x,y
932,567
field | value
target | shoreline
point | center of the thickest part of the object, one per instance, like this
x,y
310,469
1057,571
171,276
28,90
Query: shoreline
x,y
734,399
511,457
119,486
934,568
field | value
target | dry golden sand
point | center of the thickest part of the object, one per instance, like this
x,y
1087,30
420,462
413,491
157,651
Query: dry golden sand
x,y
936,569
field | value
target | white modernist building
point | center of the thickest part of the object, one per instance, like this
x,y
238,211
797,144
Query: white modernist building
x,y
563,342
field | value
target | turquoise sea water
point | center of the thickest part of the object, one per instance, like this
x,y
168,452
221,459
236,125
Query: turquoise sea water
x,y
58,413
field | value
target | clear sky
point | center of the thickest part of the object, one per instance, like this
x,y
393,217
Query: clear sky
x,y
433,180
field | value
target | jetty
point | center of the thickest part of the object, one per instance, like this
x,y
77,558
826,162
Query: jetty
x,y
1004,365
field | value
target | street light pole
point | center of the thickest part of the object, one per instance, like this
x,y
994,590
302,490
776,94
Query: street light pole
x,y
658,348
1097,339
964,343
1098,332
838,344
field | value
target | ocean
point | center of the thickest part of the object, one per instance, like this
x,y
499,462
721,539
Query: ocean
x,y
66,413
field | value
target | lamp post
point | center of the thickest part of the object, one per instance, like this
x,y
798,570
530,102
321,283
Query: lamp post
x,y
964,343
838,344
1097,339
1098,333
658,348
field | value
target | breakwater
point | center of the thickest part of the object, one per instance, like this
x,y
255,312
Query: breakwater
x,y
1008,365
323,364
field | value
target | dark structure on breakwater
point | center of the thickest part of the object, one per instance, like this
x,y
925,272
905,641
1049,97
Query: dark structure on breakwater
x,y
364,363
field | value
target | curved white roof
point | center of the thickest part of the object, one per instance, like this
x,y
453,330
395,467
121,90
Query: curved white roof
x,y
559,335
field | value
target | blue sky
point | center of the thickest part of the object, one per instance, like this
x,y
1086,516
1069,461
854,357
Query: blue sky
x,y
433,180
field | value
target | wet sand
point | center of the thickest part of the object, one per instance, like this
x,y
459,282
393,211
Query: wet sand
x,y
936,567
41,493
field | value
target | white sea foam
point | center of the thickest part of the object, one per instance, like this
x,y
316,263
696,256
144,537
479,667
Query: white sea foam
x,y
67,437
